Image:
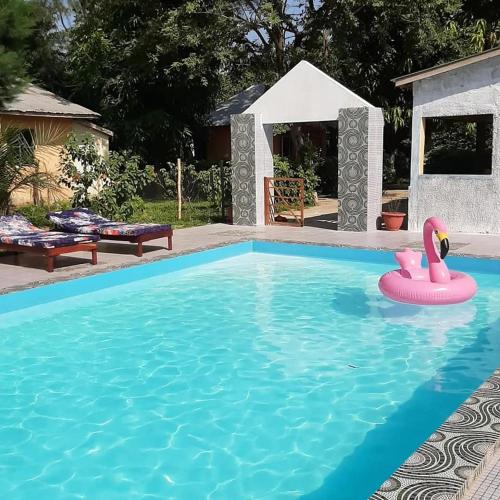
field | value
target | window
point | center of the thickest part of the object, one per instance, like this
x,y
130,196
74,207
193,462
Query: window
x,y
28,135
458,145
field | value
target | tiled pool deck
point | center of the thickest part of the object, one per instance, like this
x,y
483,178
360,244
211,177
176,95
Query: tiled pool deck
x,y
450,479
31,270
450,462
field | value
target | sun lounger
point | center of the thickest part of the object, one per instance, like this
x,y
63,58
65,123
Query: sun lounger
x,y
17,234
85,221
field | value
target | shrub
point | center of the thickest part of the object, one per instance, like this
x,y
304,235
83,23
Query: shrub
x,y
284,168
37,214
108,185
211,184
82,168
123,179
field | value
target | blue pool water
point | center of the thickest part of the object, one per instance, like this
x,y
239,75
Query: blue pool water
x,y
272,374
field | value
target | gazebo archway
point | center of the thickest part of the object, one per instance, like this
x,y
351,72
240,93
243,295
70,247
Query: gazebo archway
x,y
306,94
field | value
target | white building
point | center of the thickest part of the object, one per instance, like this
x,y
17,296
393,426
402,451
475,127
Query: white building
x,y
466,90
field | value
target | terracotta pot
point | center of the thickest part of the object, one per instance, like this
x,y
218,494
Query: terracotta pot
x,y
393,220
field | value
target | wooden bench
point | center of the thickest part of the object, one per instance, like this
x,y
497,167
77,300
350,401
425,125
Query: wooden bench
x,y
51,253
139,240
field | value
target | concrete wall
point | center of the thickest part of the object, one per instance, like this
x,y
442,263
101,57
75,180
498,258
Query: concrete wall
x,y
50,137
101,139
467,203
305,94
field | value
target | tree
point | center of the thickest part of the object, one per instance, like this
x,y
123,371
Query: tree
x,y
155,69
151,68
47,45
481,19
16,22
365,44
271,35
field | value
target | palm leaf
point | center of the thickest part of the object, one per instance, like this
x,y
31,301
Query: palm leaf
x,y
19,166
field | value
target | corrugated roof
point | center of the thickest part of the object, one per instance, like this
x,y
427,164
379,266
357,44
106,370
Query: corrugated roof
x,y
406,80
34,100
235,105
94,126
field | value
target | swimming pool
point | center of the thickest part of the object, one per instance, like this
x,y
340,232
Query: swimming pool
x,y
257,370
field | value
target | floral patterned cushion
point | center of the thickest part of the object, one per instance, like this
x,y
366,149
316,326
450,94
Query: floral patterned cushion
x,y
17,224
17,230
84,221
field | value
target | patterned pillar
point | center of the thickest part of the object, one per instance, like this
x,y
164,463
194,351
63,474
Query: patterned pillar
x,y
251,160
360,168
243,169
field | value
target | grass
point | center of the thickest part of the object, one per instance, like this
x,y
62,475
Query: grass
x,y
194,213
197,213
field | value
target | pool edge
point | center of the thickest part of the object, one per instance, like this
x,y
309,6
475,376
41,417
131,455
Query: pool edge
x,y
474,425
78,285
474,261
36,293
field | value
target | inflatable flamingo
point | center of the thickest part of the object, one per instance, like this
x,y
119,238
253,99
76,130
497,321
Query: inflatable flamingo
x,y
435,285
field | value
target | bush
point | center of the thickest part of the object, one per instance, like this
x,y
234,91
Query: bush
x,y
284,168
37,214
211,184
108,185
123,179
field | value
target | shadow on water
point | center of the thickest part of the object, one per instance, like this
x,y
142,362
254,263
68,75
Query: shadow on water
x,y
351,301
388,445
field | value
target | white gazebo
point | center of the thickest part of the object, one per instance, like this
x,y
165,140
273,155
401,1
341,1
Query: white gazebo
x,y
306,94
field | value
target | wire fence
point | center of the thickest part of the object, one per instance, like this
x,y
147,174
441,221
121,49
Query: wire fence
x,y
190,193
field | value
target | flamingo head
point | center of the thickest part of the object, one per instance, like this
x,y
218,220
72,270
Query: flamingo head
x,y
441,232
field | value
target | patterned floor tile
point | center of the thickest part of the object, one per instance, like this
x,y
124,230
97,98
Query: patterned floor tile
x,y
446,464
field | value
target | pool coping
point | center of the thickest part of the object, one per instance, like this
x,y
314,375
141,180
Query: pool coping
x,y
90,271
446,465
243,239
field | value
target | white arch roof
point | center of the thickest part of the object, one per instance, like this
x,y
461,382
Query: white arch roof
x,y
305,94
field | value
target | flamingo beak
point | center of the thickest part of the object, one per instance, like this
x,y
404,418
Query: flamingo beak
x,y
445,244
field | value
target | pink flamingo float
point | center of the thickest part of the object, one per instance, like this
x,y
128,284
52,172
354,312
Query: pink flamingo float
x,y
435,285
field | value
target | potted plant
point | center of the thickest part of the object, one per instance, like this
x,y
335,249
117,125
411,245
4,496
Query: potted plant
x,y
393,217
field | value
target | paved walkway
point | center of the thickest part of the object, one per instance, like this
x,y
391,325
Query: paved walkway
x,y
325,214
30,270
487,484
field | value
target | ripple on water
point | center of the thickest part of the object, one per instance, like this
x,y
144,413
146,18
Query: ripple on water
x,y
259,376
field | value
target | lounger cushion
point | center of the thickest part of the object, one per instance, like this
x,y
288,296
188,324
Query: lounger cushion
x,y
84,221
17,230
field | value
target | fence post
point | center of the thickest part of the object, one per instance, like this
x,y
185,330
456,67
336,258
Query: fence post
x,y
179,188
301,194
222,190
267,215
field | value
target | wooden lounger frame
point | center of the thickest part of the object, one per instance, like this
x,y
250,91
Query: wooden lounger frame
x,y
141,239
51,253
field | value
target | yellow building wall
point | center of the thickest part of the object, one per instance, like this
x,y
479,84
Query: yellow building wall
x,y
50,136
